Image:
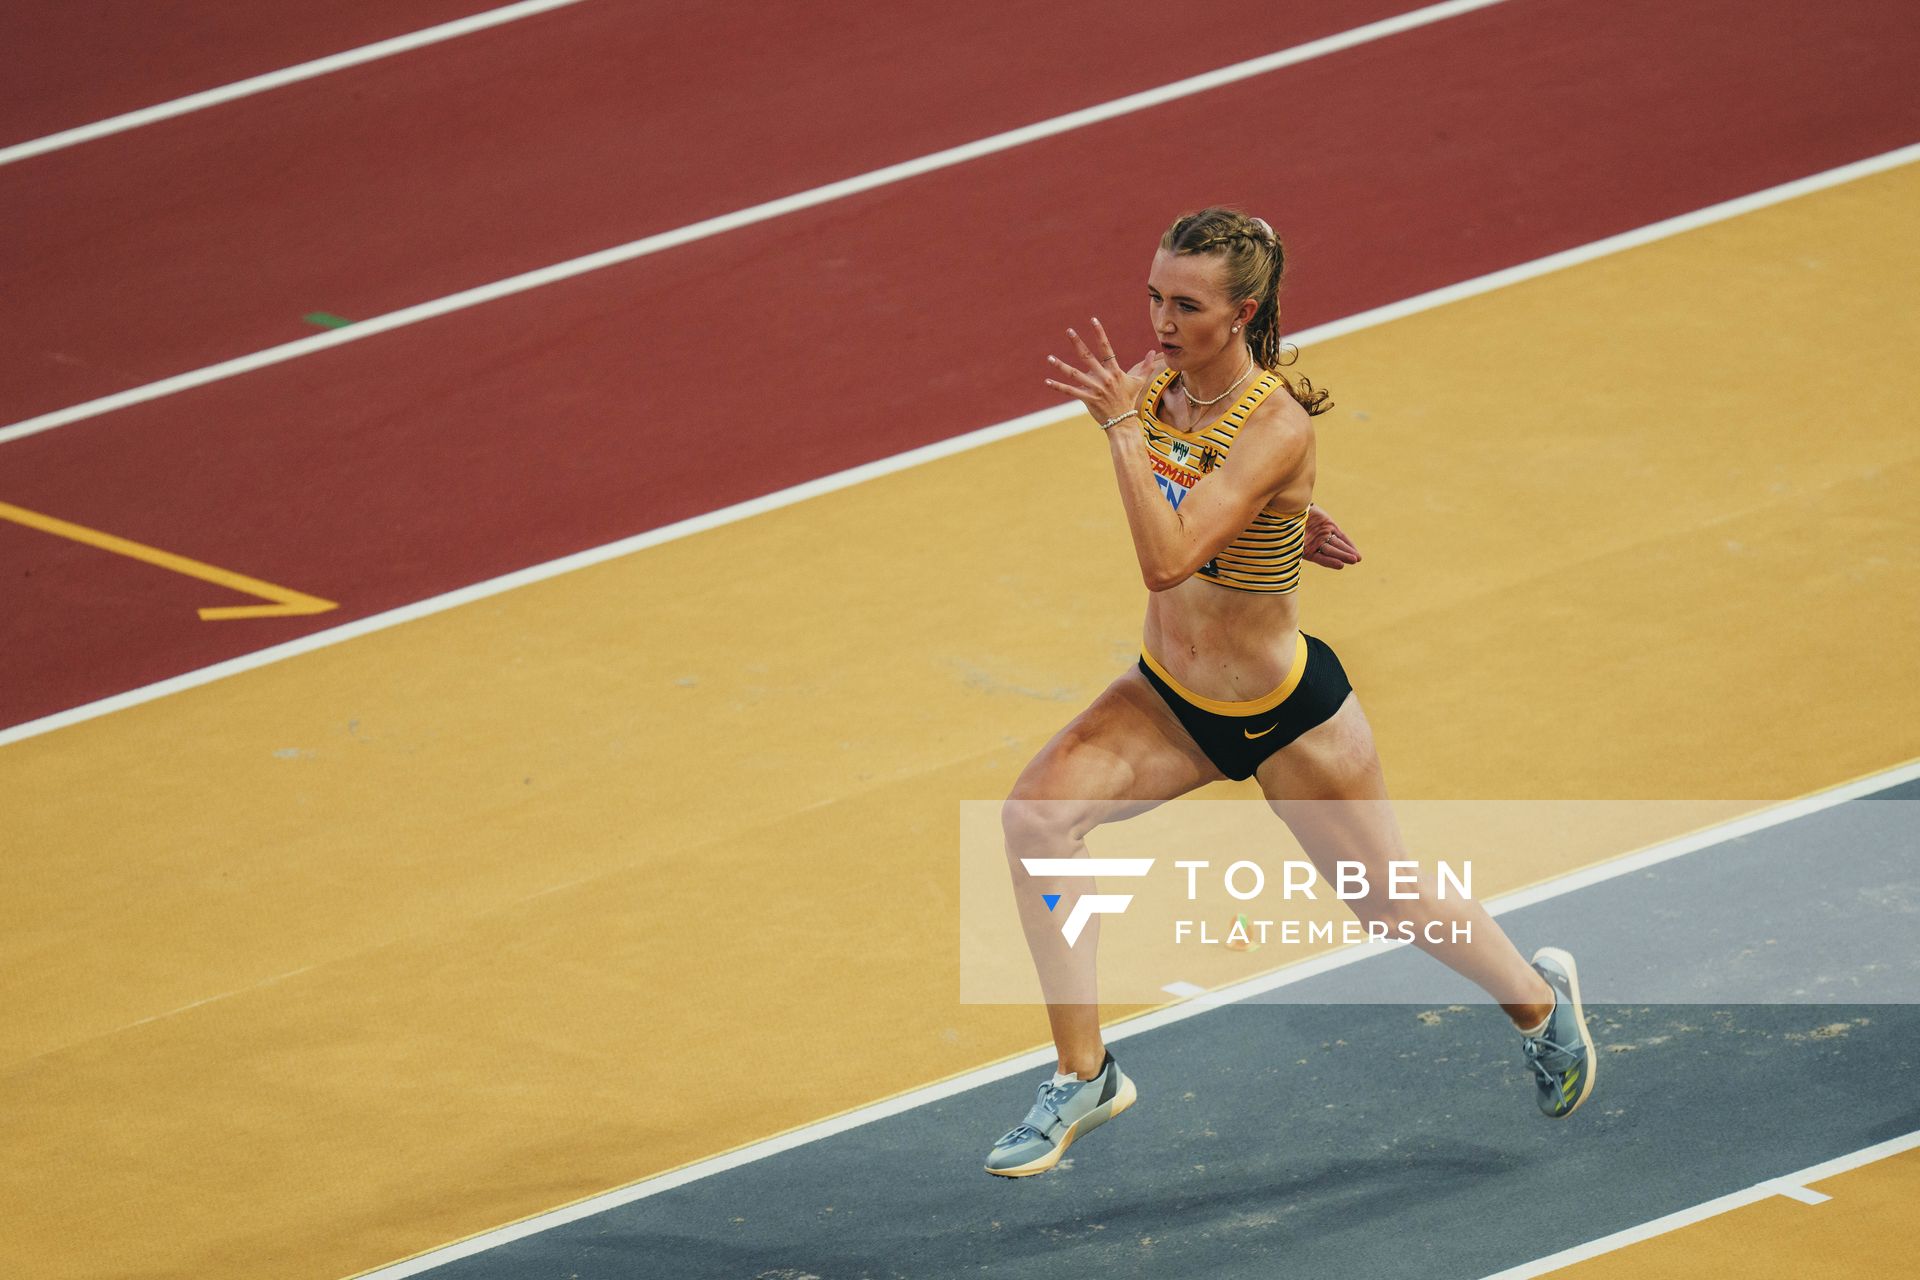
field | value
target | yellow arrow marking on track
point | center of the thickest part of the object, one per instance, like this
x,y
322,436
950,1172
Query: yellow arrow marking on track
x,y
286,603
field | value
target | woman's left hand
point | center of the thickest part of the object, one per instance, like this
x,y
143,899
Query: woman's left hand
x,y
1103,386
1325,544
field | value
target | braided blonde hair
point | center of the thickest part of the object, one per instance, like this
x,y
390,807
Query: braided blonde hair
x,y
1255,261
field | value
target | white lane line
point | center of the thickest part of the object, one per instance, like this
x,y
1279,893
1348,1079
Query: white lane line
x,y
929,453
276,79
743,218
1805,1195
1191,1008
1786,1185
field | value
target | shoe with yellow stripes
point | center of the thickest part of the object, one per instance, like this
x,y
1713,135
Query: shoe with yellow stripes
x,y
1562,1054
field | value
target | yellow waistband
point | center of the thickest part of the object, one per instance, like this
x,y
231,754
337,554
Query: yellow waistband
x,y
1253,708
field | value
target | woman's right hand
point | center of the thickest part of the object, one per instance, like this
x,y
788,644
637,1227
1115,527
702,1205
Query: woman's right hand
x,y
1108,391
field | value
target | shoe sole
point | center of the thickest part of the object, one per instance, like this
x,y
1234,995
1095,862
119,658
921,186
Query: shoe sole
x,y
1572,971
1123,1098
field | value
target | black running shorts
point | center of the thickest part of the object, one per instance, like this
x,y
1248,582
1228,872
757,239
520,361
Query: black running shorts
x,y
1238,736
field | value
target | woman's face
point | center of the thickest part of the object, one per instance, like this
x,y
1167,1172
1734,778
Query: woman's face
x,y
1191,315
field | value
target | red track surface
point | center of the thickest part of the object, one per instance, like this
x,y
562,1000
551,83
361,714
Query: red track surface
x,y
78,61
196,240
438,455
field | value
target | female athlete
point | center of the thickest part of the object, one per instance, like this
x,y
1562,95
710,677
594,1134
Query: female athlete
x,y
1213,449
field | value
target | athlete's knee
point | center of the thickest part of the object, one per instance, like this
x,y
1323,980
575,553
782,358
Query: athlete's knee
x,y
1043,808
1033,820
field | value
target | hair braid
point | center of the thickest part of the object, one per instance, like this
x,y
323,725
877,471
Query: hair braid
x,y
1255,263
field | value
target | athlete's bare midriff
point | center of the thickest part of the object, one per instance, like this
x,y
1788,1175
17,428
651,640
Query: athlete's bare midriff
x,y
1233,645
1219,642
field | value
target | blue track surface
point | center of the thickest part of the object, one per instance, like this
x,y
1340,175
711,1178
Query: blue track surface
x,y
1337,1140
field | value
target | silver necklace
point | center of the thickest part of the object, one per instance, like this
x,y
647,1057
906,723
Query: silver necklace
x,y
1186,385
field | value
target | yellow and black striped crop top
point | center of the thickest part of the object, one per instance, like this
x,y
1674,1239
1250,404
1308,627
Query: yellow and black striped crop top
x,y
1266,557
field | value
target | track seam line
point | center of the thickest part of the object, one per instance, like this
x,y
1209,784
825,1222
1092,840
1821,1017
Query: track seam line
x,y
766,211
856,1117
276,79
932,452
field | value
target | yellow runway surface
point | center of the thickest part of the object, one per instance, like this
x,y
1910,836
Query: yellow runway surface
x,y
340,959
1863,1233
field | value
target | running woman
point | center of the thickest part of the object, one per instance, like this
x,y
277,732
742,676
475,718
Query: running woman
x,y
1213,450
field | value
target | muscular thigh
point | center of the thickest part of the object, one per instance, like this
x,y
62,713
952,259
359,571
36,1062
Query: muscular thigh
x,y
1334,760
1125,747
1329,788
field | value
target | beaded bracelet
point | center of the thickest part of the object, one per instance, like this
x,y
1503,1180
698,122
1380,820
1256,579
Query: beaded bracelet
x,y
1114,422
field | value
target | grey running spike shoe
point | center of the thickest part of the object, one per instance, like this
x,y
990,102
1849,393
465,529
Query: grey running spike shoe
x,y
1061,1113
1562,1056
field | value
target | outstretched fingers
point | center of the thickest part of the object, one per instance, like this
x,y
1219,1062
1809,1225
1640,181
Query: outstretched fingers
x,y
1082,388
1068,371
1092,360
1102,385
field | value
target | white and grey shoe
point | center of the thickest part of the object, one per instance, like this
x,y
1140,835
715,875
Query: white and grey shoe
x,y
1065,1109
